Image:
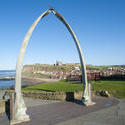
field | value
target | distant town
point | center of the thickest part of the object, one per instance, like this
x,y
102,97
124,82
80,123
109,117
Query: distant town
x,y
72,71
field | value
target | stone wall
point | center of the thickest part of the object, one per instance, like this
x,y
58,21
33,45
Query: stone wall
x,y
2,106
63,96
45,95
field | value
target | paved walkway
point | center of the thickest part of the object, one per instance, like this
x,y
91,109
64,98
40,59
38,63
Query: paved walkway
x,y
114,115
107,111
38,102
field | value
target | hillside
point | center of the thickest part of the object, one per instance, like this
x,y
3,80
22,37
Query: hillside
x,y
67,67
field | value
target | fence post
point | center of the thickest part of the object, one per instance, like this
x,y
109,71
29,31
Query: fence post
x,y
12,99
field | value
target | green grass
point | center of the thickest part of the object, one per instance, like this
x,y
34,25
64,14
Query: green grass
x,y
115,88
61,86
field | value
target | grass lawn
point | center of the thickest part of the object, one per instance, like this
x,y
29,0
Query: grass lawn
x,y
116,88
61,86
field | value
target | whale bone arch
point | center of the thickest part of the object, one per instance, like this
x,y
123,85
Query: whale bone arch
x,y
19,105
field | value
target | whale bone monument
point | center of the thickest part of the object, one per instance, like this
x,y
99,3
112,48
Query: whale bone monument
x,y
19,114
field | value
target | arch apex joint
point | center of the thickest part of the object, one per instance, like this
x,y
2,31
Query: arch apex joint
x,y
51,8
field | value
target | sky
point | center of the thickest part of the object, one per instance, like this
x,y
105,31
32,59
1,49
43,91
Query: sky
x,y
99,26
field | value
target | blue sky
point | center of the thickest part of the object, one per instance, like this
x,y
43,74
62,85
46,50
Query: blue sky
x,y
98,24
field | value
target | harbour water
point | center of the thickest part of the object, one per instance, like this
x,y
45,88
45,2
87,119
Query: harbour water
x,y
7,73
7,83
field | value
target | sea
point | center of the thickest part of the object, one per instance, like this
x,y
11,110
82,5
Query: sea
x,y
7,83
